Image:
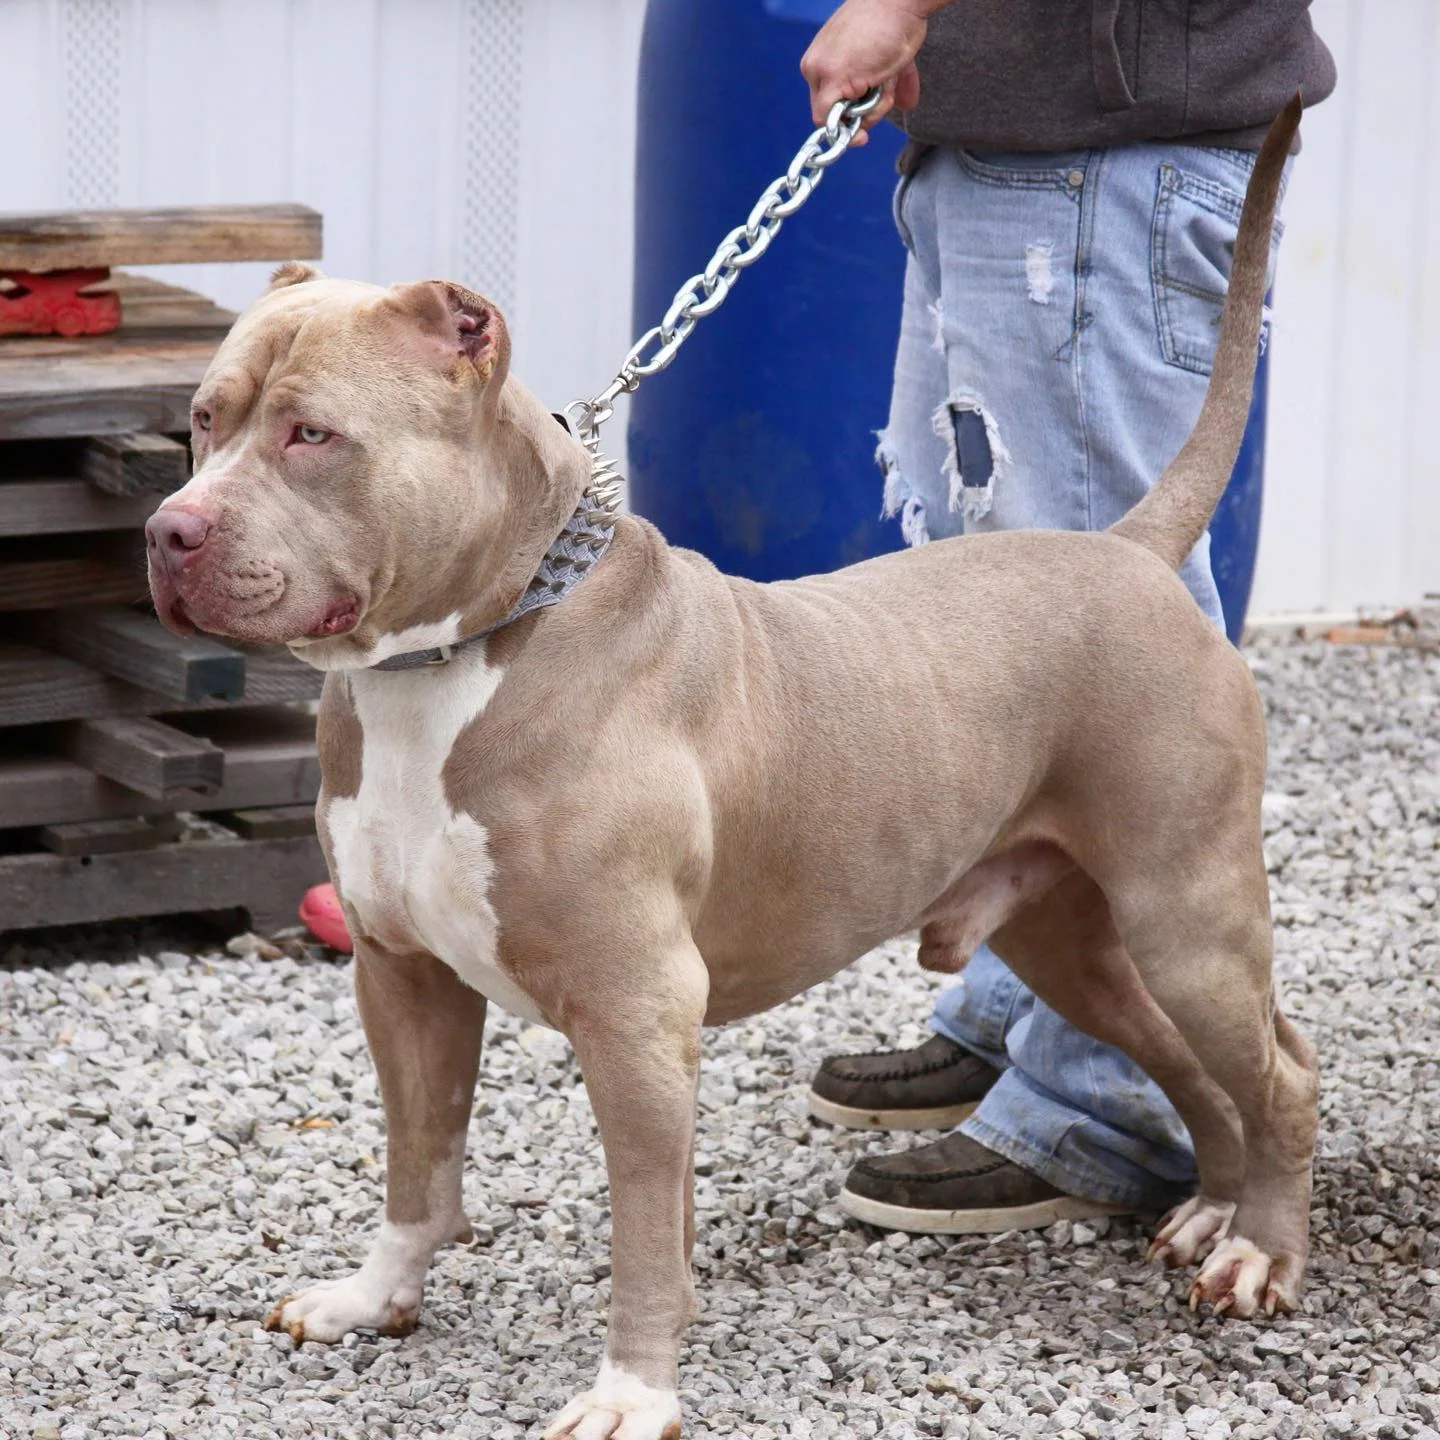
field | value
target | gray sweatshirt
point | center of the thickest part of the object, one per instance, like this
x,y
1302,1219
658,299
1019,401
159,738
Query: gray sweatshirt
x,y
1071,74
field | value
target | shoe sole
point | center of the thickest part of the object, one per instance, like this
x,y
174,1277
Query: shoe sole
x,y
975,1222
939,1117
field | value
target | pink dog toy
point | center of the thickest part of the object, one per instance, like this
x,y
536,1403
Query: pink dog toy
x,y
320,910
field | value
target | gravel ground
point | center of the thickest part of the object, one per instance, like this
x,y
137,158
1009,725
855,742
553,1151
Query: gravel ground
x,y
187,1134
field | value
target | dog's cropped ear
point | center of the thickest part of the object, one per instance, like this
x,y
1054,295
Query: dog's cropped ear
x,y
292,272
467,324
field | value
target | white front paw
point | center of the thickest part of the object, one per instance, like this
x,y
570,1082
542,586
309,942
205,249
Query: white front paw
x,y
621,1406
383,1294
333,1308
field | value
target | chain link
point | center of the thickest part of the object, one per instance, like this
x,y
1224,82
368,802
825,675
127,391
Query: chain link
x,y
703,294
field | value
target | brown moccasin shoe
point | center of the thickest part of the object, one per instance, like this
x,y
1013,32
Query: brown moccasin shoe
x,y
958,1187
932,1087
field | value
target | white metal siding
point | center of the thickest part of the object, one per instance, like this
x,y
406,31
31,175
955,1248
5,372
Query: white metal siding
x,y
1352,517
492,142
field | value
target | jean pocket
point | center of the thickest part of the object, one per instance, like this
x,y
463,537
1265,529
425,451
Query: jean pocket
x,y
1192,247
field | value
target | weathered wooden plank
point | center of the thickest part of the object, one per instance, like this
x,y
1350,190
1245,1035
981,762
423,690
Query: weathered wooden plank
x,y
100,384
46,584
37,686
146,755
274,770
148,304
266,877
67,506
189,234
135,464
134,646
274,822
106,837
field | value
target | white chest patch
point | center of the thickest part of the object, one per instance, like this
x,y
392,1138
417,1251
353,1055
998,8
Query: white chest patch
x,y
417,872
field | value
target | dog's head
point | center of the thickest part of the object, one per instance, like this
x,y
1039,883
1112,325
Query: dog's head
x,y
367,477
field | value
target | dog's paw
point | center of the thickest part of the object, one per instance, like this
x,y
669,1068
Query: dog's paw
x,y
621,1406
1189,1234
331,1309
1240,1279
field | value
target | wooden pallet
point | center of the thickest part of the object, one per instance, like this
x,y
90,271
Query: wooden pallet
x,y
115,733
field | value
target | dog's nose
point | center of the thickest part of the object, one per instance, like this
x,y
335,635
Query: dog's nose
x,y
176,530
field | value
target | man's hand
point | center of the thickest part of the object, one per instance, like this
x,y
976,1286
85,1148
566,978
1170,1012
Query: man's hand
x,y
863,44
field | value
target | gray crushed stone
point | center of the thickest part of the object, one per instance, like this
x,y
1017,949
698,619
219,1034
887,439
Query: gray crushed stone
x,y
187,1135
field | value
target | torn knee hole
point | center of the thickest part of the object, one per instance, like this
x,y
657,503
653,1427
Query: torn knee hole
x,y
975,455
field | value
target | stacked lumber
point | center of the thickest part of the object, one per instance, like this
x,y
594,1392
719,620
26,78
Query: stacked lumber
x,y
140,773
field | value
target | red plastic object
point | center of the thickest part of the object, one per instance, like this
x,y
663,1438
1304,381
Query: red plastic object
x,y
49,302
320,910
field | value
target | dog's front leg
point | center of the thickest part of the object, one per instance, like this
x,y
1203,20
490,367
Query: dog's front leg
x,y
425,1028
640,1056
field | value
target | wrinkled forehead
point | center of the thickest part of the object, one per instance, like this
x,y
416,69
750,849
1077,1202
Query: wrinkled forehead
x,y
308,339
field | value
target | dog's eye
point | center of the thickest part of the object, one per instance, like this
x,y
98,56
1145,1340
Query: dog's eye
x,y
309,435
200,419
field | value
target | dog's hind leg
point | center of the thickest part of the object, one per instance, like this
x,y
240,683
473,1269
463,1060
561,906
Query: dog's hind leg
x,y
1066,949
425,1028
1205,955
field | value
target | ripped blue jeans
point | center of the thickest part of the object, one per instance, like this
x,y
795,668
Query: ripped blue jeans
x,y
1060,321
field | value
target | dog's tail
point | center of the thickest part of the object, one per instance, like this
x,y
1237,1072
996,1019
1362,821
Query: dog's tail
x,y
1173,516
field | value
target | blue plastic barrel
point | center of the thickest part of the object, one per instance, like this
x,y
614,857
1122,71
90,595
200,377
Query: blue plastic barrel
x,y
756,447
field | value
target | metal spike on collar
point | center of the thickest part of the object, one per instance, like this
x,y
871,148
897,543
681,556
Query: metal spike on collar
x,y
591,526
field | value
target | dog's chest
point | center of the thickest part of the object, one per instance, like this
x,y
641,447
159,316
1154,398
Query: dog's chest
x,y
417,871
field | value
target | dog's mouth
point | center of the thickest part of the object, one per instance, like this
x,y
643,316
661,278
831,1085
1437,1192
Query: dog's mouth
x,y
247,605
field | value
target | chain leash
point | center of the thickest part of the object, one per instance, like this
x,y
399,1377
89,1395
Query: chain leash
x,y
703,294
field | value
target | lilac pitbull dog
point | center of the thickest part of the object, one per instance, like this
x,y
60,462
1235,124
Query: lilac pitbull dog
x,y
658,805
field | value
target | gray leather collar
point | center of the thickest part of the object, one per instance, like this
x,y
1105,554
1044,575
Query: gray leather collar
x,y
586,536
